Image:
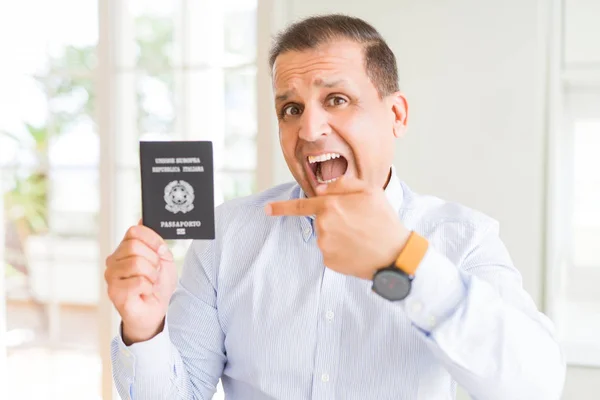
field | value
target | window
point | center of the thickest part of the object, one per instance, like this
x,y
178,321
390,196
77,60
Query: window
x,y
77,97
579,305
171,83
49,199
574,212
182,70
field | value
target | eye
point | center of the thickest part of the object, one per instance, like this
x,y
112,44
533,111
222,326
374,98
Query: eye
x,y
290,110
336,101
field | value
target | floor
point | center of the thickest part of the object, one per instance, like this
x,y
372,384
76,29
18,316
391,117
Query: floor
x,y
39,373
66,368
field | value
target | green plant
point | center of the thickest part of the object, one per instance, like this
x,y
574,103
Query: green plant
x,y
26,197
25,201
69,76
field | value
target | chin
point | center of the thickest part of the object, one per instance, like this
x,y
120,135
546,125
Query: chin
x,y
306,183
309,190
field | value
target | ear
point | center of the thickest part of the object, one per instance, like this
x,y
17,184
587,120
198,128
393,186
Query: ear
x,y
399,107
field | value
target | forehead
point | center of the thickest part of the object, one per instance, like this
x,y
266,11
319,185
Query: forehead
x,y
339,59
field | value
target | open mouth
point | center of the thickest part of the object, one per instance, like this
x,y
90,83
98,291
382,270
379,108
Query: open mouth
x,y
327,167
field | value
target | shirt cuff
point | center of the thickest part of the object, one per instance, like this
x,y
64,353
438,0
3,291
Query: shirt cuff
x,y
149,357
437,290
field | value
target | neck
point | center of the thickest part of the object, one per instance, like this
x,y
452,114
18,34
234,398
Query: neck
x,y
387,180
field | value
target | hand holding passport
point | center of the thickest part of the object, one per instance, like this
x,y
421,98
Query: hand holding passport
x,y
178,189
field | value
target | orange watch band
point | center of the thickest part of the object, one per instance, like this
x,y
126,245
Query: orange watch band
x,y
413,252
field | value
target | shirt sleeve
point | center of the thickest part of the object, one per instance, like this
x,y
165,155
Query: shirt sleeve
x,y
185,360
482,325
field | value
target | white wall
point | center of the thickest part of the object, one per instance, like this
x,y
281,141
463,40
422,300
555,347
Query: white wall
x,y
475,77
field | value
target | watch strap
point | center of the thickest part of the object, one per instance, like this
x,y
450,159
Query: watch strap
x,y
411,255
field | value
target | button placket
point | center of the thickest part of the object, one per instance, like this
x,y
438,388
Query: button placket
x,y
307,229
328,335
329,315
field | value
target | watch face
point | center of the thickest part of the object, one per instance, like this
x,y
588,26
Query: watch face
x,y
392,284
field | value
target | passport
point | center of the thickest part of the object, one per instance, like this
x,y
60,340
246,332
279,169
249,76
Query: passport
x,y
178,188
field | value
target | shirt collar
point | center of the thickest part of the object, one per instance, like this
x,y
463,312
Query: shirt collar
x,y
393,191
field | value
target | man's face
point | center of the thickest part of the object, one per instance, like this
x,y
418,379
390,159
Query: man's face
x,y
332,121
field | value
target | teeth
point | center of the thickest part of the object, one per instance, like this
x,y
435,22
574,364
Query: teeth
x,y
327,181
322,157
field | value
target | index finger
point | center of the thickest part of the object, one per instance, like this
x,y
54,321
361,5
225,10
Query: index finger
x,y
297,207
148,237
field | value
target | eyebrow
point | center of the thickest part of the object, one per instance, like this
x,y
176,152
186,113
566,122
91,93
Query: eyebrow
x,y
318,82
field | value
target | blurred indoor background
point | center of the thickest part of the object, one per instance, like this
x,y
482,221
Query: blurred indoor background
x,y
504,117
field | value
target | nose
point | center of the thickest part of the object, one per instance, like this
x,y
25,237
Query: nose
x,y
314,123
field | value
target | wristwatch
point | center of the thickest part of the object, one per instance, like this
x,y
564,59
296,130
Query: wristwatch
x,y
394,281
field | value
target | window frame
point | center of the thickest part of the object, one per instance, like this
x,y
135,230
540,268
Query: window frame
x,y
563,80
269,15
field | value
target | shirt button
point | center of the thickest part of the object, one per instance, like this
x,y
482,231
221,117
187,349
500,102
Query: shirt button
x,y
307,231
432,322
329,315
325,377
416,307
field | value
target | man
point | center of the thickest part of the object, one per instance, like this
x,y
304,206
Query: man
x,y
344,285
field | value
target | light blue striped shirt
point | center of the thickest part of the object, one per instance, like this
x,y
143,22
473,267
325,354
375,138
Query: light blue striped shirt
x,y
257,308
